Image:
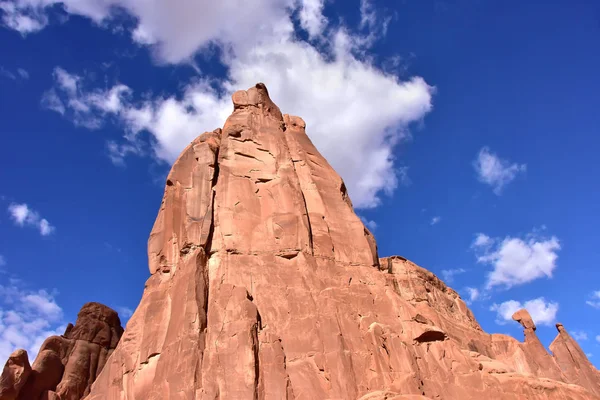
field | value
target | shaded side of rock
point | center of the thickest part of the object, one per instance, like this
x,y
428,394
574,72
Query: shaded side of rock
x,y
65,366
14,375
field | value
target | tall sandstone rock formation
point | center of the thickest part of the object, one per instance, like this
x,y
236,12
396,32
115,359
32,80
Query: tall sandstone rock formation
x,y
66,365
266,285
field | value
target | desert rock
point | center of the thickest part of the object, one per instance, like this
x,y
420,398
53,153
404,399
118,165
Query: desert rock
x,y
265,284
65,366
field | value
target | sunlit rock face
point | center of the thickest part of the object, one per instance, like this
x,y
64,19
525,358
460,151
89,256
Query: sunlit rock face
x,y
266,285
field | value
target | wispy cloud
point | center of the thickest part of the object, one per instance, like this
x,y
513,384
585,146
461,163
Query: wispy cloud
x,y
449,274
579,335
594,300
124,313
435,220
372,225
473,294
27,318
22,215
20,73
494,171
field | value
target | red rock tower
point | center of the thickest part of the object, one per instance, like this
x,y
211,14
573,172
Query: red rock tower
x,y
266,285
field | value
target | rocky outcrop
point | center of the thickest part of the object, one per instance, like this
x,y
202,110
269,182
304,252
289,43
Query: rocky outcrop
x,y
66,365
15,374
573,362
266,285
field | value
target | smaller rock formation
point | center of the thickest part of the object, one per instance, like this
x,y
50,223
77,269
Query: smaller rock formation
x,y
67,365
573,362
540,362
15,374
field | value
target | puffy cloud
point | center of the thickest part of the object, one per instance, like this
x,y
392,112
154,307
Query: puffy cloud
x,y
594,300
481,240
27,318
435,220
598,338
449,274
174,29
516,261
22,215
542,312
347,103
494,171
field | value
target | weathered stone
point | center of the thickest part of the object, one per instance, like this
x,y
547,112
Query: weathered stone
x,y
65,366
15,374
266,285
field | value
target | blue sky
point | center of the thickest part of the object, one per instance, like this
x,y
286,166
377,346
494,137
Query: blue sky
x,y
466,132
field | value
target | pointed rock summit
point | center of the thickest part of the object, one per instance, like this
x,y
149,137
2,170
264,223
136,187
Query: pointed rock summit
x,y
266,285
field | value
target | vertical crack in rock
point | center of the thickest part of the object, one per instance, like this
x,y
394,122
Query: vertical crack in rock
x,y
310,231
256,348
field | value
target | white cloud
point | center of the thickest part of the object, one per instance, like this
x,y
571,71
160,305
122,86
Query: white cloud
x,y
598,338
368,16
589,355
579,335
22,215
2,260
124,313
175,29
517,261
23,16
311,17
435,220
346,102
51,101
372,225
482,240
594,300
374,22
495,171
542,312
449,274
473,294
27,318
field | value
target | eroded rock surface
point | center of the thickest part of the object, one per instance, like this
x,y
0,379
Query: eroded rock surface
x,y
66,365
266,285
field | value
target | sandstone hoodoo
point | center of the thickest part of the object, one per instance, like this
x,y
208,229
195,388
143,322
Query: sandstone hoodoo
x,y
266,285
66,365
